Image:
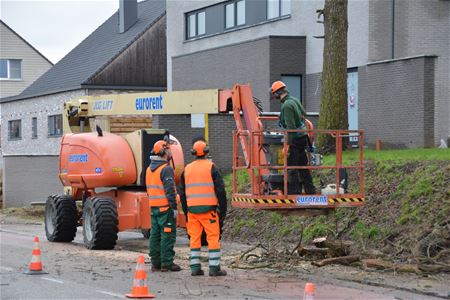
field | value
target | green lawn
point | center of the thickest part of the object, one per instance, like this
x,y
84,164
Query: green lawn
x,y
393,155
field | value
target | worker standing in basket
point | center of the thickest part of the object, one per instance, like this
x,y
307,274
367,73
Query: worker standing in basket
x,y
292,116
160,182
203,198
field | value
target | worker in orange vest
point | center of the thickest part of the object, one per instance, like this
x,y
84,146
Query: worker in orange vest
x,y
203,197
160,182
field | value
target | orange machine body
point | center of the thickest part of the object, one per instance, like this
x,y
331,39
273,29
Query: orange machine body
x,y
89,161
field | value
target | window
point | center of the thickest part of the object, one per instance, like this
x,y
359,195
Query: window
x,y
10,69
277,8
55,125
15,129
294,85
196,24
34,128
240,11
229,15
235,14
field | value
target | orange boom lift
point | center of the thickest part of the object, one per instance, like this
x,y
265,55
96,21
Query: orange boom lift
x,y
105,172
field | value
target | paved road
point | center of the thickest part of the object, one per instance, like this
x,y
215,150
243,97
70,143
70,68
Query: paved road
x,y
78,273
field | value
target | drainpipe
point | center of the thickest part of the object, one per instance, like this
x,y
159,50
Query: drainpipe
x,y
393,30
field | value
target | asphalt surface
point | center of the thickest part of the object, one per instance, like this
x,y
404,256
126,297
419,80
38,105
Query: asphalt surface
x,y
75,272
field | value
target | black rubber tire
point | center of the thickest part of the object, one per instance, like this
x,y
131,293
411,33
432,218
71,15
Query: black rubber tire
x,y
146,233
100,223
61,218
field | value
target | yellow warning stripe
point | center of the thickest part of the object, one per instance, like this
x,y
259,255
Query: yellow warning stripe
x,y
264,201
346,200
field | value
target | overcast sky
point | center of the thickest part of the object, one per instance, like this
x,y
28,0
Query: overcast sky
x,y
55,27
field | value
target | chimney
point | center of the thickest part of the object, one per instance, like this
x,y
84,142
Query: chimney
x,y
127,14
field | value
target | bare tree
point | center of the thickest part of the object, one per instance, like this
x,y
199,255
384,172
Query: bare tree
x,y
333,102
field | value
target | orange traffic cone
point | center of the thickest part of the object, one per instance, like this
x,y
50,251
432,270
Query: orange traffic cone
x,y
36,263
140,287
309,291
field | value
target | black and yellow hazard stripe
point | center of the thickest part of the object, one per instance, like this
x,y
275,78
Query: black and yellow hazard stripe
x,y
346,200
291,201
264,201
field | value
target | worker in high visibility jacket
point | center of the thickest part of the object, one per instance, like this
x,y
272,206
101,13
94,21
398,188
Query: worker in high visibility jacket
x,y
203,197
160,182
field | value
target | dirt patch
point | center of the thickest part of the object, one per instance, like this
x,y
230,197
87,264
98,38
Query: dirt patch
x,y
406,218
16,215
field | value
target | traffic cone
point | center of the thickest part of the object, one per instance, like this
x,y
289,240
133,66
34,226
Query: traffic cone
x,y
140,287
36,263
309,291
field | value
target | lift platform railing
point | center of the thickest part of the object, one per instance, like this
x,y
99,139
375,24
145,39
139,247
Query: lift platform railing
x,y
261,197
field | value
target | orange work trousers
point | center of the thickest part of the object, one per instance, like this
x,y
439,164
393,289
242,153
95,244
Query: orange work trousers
x,y
208,221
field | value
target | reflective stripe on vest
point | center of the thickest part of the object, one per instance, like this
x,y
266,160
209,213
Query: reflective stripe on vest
x,y
155,188
199,184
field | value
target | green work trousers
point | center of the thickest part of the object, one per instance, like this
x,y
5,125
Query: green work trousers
x,y
162,237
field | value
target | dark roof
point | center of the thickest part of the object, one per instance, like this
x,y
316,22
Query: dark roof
x,y
31,46
94,53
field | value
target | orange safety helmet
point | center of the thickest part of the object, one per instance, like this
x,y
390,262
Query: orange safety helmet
x,y
277,85
160,147
200,148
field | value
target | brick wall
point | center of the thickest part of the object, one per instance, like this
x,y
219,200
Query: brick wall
x,y
396,102
421,27
287,57
220,136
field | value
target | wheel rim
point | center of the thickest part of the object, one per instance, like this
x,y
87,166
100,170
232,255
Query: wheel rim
x,y
88,220
50,218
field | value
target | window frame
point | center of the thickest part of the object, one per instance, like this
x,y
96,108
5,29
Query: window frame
x,y
196,22
280,6
8,69
300,76
34,128
235,15
49,133
10,122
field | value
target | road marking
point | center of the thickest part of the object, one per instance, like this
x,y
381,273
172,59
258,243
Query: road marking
x,y
111,294
51,279
6,269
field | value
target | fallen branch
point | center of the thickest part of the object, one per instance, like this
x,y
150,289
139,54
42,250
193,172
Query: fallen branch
x,y
299,241
336,247
434,268
313,251
385,265
249,250
342,260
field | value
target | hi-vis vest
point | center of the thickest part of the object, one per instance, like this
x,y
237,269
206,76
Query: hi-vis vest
x,y
199,184
155,188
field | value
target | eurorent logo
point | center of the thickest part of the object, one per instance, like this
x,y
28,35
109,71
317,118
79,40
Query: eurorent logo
x,y
149,103
75,158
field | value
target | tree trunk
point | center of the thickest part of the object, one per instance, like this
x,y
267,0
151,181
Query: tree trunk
x,y
333,102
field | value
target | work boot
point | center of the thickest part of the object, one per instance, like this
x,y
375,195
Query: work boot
x,y
217,272
198,272
156,268
172,268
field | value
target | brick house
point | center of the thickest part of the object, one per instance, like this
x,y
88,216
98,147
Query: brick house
x,y
398,63
127,53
